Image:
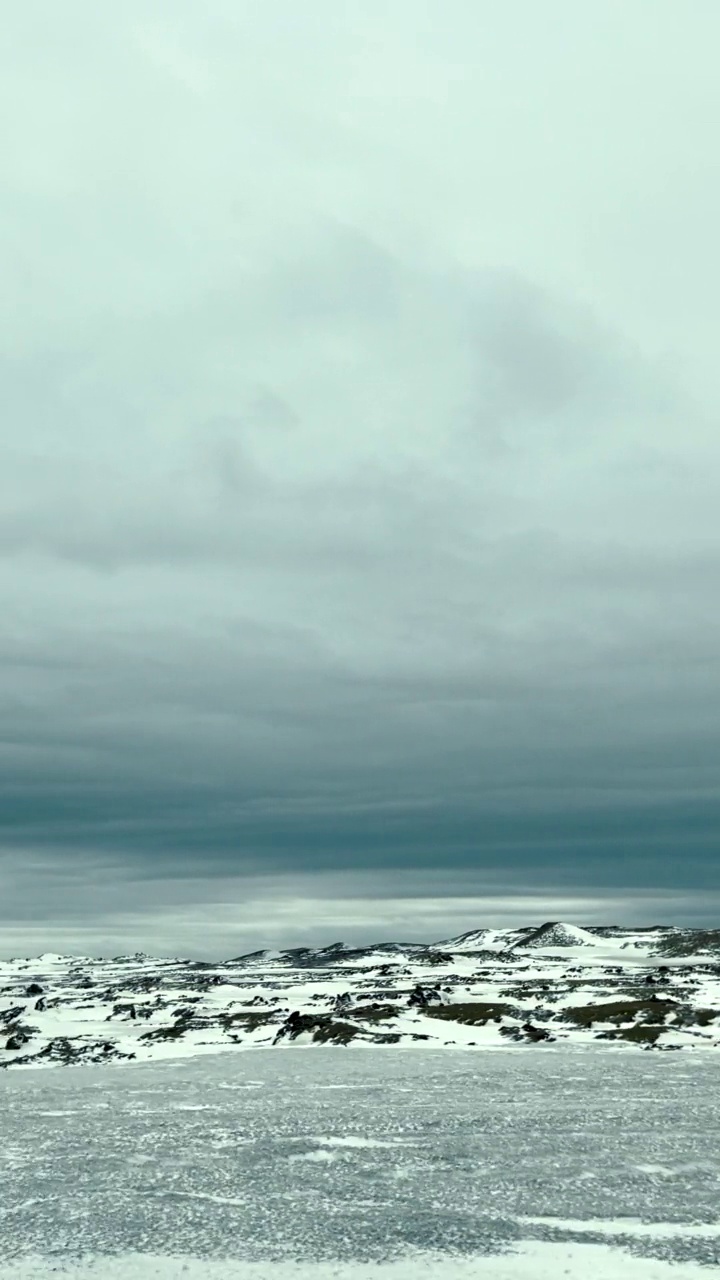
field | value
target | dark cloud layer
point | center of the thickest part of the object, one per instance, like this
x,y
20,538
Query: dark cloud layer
x,y
359,470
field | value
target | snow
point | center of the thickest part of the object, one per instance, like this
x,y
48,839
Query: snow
x,y
541,1262
145,1009
548,986
629,1227
391,1165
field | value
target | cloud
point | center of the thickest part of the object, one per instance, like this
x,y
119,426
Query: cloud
x,y
358,476
99,906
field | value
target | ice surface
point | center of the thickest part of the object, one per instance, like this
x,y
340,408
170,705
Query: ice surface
x,y
327,1163
539,1262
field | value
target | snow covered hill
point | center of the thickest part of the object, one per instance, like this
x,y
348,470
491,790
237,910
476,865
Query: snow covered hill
x,y
546,985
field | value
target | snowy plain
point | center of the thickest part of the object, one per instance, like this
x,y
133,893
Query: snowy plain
x,y
513,1165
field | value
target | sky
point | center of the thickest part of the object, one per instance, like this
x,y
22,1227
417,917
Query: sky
x,y
359,469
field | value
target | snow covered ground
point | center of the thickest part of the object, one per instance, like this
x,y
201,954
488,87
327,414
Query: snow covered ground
x,y
536,1262
544,987
285,1166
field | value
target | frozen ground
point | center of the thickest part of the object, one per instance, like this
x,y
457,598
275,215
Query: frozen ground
x,y
319,1162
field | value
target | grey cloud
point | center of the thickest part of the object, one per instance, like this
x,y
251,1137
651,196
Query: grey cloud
x,y
85,909
358,481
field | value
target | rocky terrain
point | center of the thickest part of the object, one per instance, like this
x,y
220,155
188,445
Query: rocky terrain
x,y
654,988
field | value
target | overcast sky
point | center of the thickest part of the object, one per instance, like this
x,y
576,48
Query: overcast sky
x,y
359,468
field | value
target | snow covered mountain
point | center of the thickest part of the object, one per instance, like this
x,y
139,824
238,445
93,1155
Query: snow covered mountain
x,y
543,985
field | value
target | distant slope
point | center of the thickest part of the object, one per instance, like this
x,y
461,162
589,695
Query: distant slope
x,y
550,984
651,940
557,934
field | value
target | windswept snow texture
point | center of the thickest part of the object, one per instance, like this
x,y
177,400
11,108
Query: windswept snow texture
x,y
540,1261
507,1165
544,986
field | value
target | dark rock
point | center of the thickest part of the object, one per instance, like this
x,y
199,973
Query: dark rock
x,y
536,1034
472,1013
641,1033
619,1011
245,1020
528,1032
421,996
173,1032
374,1012
324,1029
183,1015
11,1015
128,1009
